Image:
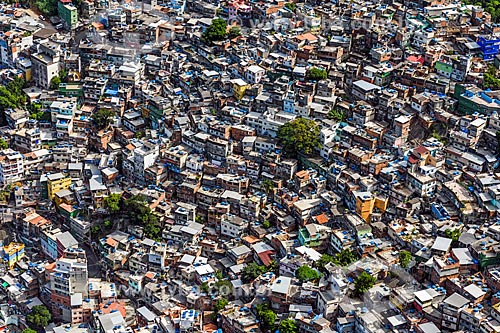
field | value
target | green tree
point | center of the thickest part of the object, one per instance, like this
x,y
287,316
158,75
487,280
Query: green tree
x,y
218,274
198,219
454,234
291,6
323,261
234,32
299,135
47,7
34,107
266,316
438,137
204,287
220,304
63,75
288,326
12,95
336,115
224,287
3,144
107,224
363,283
36,112
306,273
95,230
267,186
4,196
252,271
273,267
102,118
345,257
266,224
316,74
55,82
152,230
137,209
139,134
490,79
39,317
112,203
16,87
405,258
29,330
215,32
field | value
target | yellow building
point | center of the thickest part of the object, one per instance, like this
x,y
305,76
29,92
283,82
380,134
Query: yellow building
x,y
381,203
366,202
239,88
27,75
12,253
145,112
56,182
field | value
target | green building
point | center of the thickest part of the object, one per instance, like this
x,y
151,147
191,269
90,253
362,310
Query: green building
x,y
473,99
67,13
68,211
71,89
488,259
444,68
308,238
157,108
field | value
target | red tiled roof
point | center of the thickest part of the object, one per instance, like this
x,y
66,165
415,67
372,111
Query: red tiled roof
x,y
421,150
419,59
412,159
111,242
321,219
107,308
309,36
265,257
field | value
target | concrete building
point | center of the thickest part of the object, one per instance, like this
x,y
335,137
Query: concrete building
x,y
45,64
68,13
57,182
69,287
11,166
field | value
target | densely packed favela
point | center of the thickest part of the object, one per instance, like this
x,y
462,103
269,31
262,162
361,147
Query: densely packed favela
x,y
247,166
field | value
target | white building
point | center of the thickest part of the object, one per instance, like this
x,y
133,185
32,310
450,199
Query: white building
x,y
326,136
268,124
194,163
69,285
130,72
423,185
62,113
13,45
142,158
45,63
254,74
232,226
11,166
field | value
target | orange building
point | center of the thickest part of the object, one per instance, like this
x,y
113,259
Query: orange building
x,y
366,202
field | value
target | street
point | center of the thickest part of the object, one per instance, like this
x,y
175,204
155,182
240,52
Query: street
x,y
33,12
94,265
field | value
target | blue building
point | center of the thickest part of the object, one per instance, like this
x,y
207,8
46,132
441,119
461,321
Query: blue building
x,y
489,47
